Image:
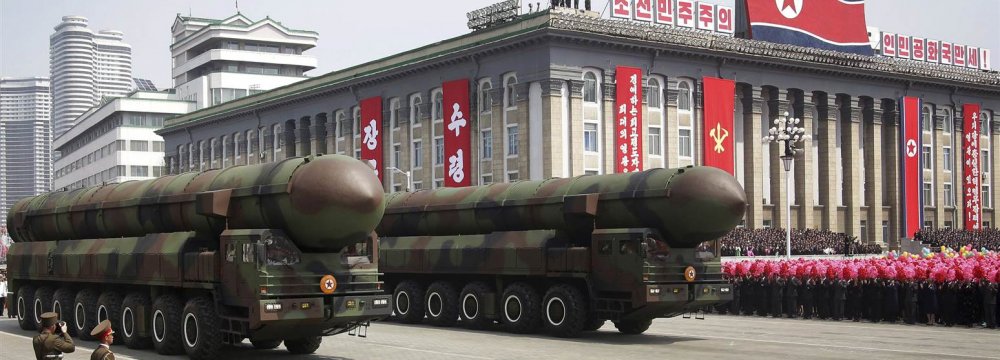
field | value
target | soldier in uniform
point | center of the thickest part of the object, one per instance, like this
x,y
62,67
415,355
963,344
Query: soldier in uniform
x,y
53,340
103,333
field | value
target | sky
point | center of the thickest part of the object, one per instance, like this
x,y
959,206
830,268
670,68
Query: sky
x,y
351,33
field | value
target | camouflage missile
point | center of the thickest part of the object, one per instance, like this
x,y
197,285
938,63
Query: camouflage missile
x,y
688,205
324,202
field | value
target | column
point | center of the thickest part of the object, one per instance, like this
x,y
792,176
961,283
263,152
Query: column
x,y
777,103
826,164
994,150
873,174
803,162
890,149
853,192
939,176
753,150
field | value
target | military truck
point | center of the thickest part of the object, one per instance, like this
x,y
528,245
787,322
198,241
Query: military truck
x,y
565,255
276,252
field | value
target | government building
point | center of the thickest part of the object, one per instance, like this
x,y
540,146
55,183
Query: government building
x,y
542,97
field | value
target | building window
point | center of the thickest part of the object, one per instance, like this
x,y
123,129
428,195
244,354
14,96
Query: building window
x,y
438,183
654,141
438,151
138,145
395,155
356,130
512,140
485,100
487,145
926,158
987,196
984,117
926,120
590,87
928,225
653,94
985,161
341,124
417,185
885,230
394,113
948,122
139,171
684,141
510,91
928,194
946,153
949,195
437,107
864,231
590,137
683,96
487,179
418,153
415,110
766,224
512,176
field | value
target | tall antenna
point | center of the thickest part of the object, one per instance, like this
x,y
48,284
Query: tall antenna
x,y
237,6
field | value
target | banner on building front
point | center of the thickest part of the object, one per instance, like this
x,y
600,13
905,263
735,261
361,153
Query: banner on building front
x,y
457,136
371,134
718,129
628,119
912,174
809,24
972,190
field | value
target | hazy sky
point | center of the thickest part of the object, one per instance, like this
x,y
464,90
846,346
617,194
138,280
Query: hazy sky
x,y
351,33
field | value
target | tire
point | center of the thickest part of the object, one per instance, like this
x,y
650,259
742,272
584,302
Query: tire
x,y
85,313
165,325
408,302
42,304
109,307
265,344
593,323
442,304
633,327
135,315
565,311
472,305
301,346
200,329
62,304
521,309
25,307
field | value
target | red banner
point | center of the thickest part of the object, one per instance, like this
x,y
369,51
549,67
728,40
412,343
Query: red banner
x,y
371,133
912,175
718,130
628,127
971,161
457,136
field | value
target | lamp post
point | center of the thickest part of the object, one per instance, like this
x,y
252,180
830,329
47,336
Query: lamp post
x,y
787,131
409,179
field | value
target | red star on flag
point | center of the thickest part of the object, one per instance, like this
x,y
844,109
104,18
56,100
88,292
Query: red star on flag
x,y
789,4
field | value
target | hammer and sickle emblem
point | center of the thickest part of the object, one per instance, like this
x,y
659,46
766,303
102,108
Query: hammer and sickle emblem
x,y
719,135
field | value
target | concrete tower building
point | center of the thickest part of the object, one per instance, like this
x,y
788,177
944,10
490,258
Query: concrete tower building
x,y
215,61
25,139
84,67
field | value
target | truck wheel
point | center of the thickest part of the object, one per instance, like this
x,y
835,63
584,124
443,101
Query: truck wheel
x,y
265,344
109,307
306,345
85,313
565,311
166,325
62,304
633,327
442,304
408,302
473,305
135,311
200,329
25,307
593,324
521,309
42,304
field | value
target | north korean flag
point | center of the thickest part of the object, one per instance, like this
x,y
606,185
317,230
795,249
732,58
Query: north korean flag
x,y
825,24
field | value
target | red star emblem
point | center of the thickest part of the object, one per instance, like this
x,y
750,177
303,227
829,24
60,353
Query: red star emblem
x,y
789,4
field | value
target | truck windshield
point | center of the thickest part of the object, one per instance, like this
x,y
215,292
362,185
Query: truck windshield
x,y
708,250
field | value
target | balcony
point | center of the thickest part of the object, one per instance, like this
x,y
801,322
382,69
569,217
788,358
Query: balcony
x,y
305,61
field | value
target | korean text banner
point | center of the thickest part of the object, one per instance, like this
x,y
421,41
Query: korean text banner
x,y
371,133
457,136
823,24
971,164
718,130
628,119
912,174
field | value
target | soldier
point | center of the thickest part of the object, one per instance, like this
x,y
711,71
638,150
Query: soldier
x,y
839,298
103,333
989,292
53,340
910,301
792,297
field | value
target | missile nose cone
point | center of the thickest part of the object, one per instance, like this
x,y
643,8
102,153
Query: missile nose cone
x,y
714,202
337,182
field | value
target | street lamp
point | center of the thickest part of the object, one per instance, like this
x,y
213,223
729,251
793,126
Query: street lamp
x,y
789,132
409,180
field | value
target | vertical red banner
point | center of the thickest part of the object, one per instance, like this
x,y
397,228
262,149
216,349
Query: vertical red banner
x,y
970,161
718,129
628,119
912,175
457,136
371,133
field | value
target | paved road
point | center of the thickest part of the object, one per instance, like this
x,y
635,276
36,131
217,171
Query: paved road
x,y
717,337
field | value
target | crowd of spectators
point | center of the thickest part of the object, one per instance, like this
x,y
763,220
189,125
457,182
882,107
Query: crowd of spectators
x,y
766,242
955,238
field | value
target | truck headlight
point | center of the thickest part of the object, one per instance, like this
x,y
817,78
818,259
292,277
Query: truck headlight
x,y
724,290
272,307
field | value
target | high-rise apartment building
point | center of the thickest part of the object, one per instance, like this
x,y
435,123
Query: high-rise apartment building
x,y
25,139
85,66
215,61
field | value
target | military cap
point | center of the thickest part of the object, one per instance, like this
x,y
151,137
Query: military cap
x,y
100,329
49,319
